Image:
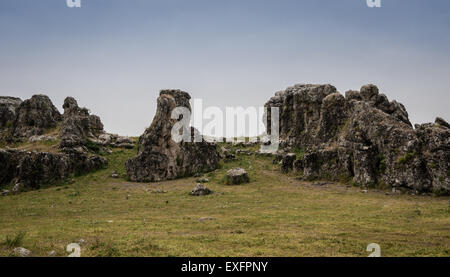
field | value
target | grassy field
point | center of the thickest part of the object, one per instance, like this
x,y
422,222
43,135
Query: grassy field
x,y
273,215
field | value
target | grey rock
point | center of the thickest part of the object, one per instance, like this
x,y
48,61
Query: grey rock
x,y
5,192
360,137
78,126
200,190
203,180
33,169
34,116
21,252
236,176
8,106
161,158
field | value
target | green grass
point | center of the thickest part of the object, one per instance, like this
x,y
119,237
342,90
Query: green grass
x,y
273,215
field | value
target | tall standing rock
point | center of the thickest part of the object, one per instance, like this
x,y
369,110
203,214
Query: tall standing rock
x,y
159,156
34,116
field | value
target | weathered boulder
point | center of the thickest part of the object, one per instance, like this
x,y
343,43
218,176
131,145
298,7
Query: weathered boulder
x,y
8,106
361,136
200,190
34,116
160,157
236,176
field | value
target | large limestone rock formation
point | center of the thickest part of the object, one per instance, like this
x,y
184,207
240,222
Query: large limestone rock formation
x,y
34,116
161,158
362,137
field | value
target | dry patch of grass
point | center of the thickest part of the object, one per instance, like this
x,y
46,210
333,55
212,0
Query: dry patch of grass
x,y
273,215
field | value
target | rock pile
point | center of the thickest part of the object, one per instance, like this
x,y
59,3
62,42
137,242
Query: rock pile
x,y
160,157
362,137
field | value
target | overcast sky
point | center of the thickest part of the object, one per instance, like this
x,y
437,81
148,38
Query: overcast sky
x,y
114,56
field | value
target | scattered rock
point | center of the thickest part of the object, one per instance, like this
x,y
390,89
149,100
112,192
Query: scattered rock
x,y
81,241
200,190
5,192
237,176
203,180
52,253
206,219
21,252
160,157
114,174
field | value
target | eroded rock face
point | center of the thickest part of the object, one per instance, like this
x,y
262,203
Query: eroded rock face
x,y
362,137
8,106
33,169
34,116
161,158
78,125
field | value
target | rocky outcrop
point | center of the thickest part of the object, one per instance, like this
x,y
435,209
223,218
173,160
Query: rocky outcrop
x,y
34,116
362,137
30,170
160,157
78,125
8,106
34,169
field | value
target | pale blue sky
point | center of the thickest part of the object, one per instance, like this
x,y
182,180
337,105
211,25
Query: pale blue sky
x,y
114,56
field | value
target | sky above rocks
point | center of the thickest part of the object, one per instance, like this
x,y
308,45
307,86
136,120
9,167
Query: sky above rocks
x,y
114,56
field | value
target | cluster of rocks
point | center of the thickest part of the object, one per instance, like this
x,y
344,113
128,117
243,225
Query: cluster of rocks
x,y
30,120
160,157
80,129
360,136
